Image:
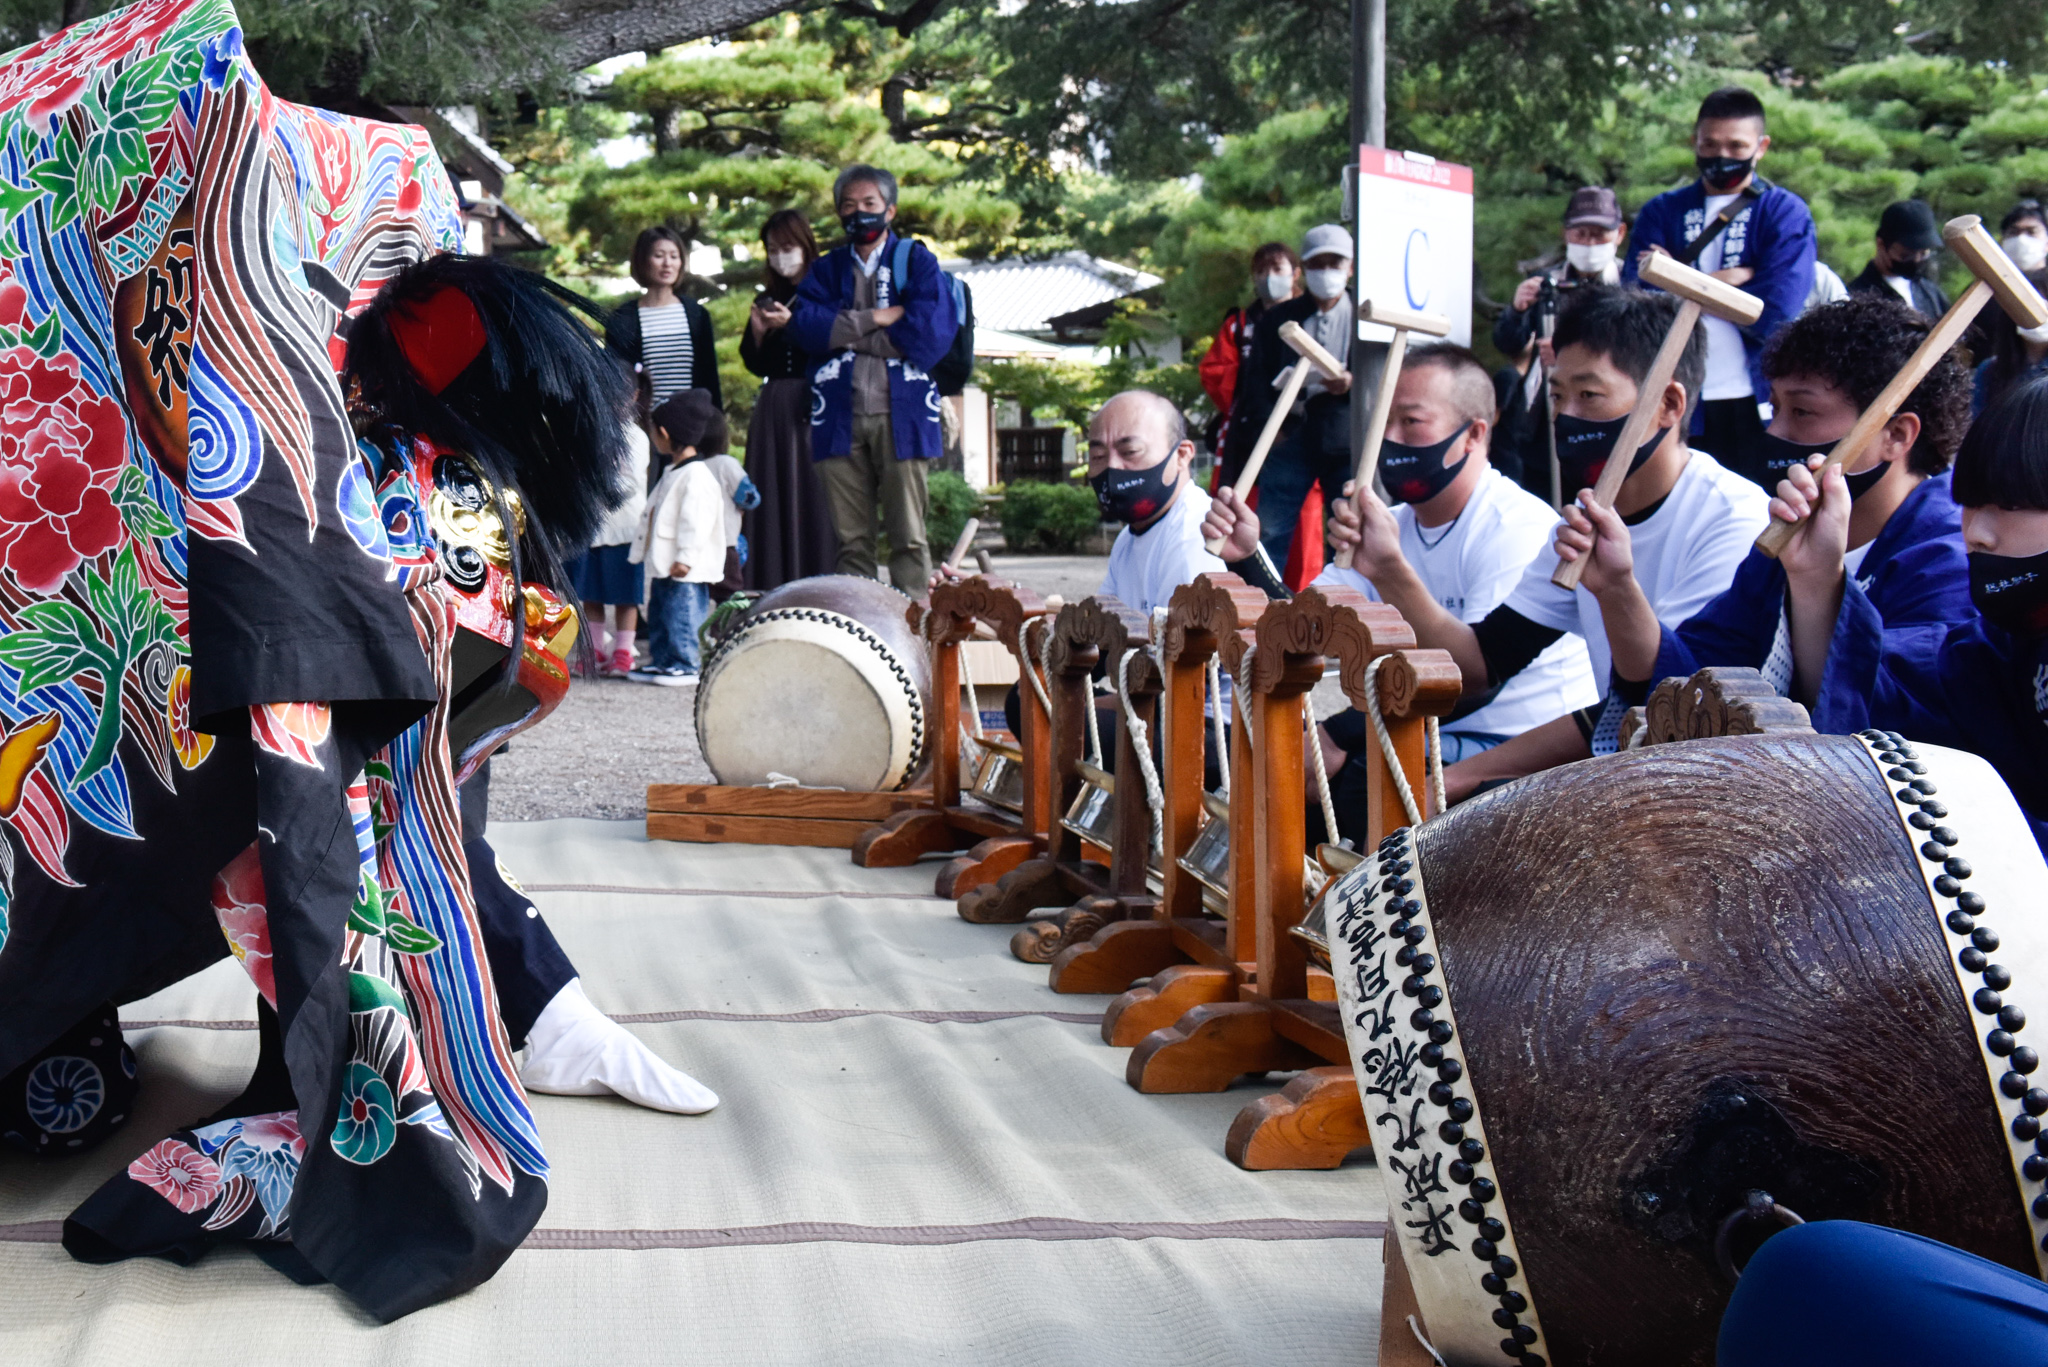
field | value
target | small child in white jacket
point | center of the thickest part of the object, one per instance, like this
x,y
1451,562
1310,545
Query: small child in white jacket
x,y
682,542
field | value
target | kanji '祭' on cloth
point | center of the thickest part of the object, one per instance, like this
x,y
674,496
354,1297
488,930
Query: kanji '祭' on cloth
x,y
225,638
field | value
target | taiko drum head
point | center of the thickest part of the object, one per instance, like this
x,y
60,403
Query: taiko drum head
x,y
1615,1024
822,681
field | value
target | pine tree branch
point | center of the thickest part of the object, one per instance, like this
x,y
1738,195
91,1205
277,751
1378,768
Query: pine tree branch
x,y
920,13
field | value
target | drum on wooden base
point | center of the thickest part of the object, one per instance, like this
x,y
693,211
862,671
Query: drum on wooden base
x,y
1617,1023
822,681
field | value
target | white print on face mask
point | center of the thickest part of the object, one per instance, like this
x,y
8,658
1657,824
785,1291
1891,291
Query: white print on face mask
x,y
1278,286
1589,258
786,264
1324,284
2029,251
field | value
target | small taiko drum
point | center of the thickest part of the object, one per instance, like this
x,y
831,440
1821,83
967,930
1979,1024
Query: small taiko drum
x,y
1616,1024
822,681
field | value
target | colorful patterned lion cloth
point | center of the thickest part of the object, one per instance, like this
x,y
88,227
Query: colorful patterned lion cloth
x,y
226,633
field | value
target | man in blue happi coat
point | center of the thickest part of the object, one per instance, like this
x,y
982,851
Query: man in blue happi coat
x,y
875,315
1746,232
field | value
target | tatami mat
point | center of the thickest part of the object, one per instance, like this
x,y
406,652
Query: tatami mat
x,y
923,1155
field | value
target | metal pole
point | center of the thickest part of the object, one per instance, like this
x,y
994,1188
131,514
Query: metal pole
x,y
1368,129
1375,73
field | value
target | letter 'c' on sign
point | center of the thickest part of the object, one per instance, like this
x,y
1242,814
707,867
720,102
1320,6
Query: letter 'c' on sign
x,y
1411,267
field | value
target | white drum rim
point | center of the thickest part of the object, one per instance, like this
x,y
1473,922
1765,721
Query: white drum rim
x,y
821,626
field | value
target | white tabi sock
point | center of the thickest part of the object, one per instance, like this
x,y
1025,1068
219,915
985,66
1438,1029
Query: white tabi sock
x,y
574,1049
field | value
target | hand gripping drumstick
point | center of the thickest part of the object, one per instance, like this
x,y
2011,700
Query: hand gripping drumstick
x,y
1697,292
1403,323
1997,277
1312,357
960,547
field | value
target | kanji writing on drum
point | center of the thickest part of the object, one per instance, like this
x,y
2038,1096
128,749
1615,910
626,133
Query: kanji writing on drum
x,y
1433,1231
1408,1128
1392,1069
1420,1178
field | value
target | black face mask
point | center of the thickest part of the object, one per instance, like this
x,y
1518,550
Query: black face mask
x,y
1722,174
2011,591
1781,455
864,228
1417,474
1583,448
1133,496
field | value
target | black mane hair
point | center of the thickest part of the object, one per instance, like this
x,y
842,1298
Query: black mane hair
x,y
2003,461
542,409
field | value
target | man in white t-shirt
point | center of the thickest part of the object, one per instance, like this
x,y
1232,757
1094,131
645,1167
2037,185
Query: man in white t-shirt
x,y
1690,523
1138,464
1455,543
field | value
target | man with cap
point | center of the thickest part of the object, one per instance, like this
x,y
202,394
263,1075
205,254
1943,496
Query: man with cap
x,y
1315,444
1902,263
1594,232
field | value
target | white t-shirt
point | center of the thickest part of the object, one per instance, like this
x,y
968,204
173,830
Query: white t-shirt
x,y
624,521
1685,554
1727,361
1146,567
1902,287
1479,560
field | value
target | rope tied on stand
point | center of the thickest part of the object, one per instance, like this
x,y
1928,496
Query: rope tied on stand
x,y
1433,759
1141,742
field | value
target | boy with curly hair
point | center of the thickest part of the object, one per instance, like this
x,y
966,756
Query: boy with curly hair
x,y
1906,572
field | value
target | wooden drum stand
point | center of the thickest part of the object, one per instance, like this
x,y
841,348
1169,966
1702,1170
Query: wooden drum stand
x,y
1268,1022
1101,632
1190,957
1061,871
993,841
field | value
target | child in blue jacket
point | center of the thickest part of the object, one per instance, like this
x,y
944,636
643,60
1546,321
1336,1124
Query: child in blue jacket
x,y
1984,686
1906,571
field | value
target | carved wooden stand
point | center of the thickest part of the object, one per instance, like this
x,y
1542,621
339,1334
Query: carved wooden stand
x,y
1061,871
1269,1023
1191,958
1114,633
992,842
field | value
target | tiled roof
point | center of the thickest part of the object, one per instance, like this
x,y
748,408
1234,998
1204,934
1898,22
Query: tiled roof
x,y
1022,296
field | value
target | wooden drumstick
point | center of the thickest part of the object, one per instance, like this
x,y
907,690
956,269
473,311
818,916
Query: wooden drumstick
x,y
1697,292
1997,278
1402,322
960,547
1313,356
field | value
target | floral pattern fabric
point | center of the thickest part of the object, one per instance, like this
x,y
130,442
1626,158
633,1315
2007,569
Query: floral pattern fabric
x,y
223,632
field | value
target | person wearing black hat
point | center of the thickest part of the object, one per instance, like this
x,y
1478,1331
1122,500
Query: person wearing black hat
x,y
1902,265
1594,232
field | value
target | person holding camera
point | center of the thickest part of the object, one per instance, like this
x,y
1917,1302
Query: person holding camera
x,y
1594,231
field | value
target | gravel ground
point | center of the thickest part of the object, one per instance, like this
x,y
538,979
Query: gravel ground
x,y
609,739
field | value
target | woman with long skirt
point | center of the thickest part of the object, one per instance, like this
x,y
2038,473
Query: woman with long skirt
x,y
790,535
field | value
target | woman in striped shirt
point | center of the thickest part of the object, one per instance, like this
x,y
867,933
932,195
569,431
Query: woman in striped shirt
x,y
666,338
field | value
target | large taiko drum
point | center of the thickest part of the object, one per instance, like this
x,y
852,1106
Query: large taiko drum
x,y
823,681
1617,1023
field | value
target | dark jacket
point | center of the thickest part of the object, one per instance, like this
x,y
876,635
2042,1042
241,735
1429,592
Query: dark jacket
x,y
1773,236
924,334
1914,584
1260,367
1927,296
622,334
